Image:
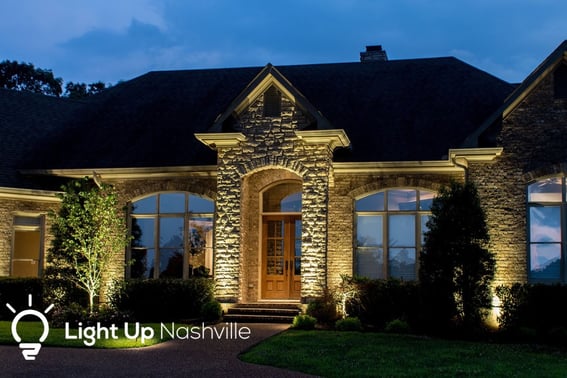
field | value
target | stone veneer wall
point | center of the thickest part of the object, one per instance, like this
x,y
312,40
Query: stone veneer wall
x,y
534,138
270,144
8,209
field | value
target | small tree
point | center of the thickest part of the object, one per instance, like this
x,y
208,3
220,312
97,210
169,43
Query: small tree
x,y
456,269
87,231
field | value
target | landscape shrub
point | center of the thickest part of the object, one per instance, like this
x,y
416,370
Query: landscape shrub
x,y
162,299
533,312
378,302
304,322
63,293
348,324
397,326
211,311
324,308
15,291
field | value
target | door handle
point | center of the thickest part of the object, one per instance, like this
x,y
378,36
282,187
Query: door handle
x,y
286,266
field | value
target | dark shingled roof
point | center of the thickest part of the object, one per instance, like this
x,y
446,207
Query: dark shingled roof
x,y
28,120
392,111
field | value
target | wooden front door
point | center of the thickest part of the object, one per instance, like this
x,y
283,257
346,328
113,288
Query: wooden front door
x,y
281,257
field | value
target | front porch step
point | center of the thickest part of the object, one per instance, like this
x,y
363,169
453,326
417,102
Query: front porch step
x,y
262,313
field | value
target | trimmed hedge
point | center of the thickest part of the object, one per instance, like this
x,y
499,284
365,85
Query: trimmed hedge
x,y
534,312
163,299
378,302
15,291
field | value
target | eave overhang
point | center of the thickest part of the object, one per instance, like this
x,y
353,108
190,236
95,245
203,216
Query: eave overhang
x,y
129,173
458,160
333,138
28,194
220,140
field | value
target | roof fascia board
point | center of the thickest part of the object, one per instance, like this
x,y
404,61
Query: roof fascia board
x,y
130,173
28,194
220,140
454,164
333,138
256,91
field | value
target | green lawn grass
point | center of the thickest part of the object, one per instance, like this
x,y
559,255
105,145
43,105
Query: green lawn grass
x,y
356,354
33,330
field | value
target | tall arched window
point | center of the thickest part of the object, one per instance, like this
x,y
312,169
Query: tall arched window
x,y
389,232
172,236
546,223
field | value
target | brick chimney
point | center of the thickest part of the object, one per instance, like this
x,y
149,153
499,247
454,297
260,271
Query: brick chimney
x,y
374,54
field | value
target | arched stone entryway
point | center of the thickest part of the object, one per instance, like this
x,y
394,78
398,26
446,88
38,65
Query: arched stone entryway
x,y
270,235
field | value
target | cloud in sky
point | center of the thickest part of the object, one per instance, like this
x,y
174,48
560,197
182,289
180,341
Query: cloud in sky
x,y
112,40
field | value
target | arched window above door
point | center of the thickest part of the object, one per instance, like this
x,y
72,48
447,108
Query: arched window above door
x,y
282,198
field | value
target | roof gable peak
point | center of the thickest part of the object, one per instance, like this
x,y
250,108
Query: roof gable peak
x,y
269,76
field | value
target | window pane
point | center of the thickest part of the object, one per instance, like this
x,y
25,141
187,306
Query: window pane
x,y
373,202
401,262
143,232
370,262
545,261
201,205
172,203
200,234
171,232
545,224
171,263
548,190
27,221
402,199
284,197
425,199
424,228
369,230
27,245
145,206
142,263
401,231
291,203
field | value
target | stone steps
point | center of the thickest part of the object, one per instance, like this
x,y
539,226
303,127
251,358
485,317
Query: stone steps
x,y
262,313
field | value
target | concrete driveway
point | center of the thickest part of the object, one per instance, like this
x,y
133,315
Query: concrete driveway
x,y
178,358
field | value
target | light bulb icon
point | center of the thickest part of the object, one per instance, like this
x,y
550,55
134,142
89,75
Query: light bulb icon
x,y
29,350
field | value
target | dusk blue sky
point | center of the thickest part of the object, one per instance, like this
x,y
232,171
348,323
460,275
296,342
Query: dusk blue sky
x,y
87,41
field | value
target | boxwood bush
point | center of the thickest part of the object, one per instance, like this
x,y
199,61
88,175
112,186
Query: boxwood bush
x,y
162,299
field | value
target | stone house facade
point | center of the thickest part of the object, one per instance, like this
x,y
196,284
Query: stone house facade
x,y
276,181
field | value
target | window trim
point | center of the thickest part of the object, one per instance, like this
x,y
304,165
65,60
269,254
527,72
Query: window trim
x,y
186,215
36,226
562,205
385,215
